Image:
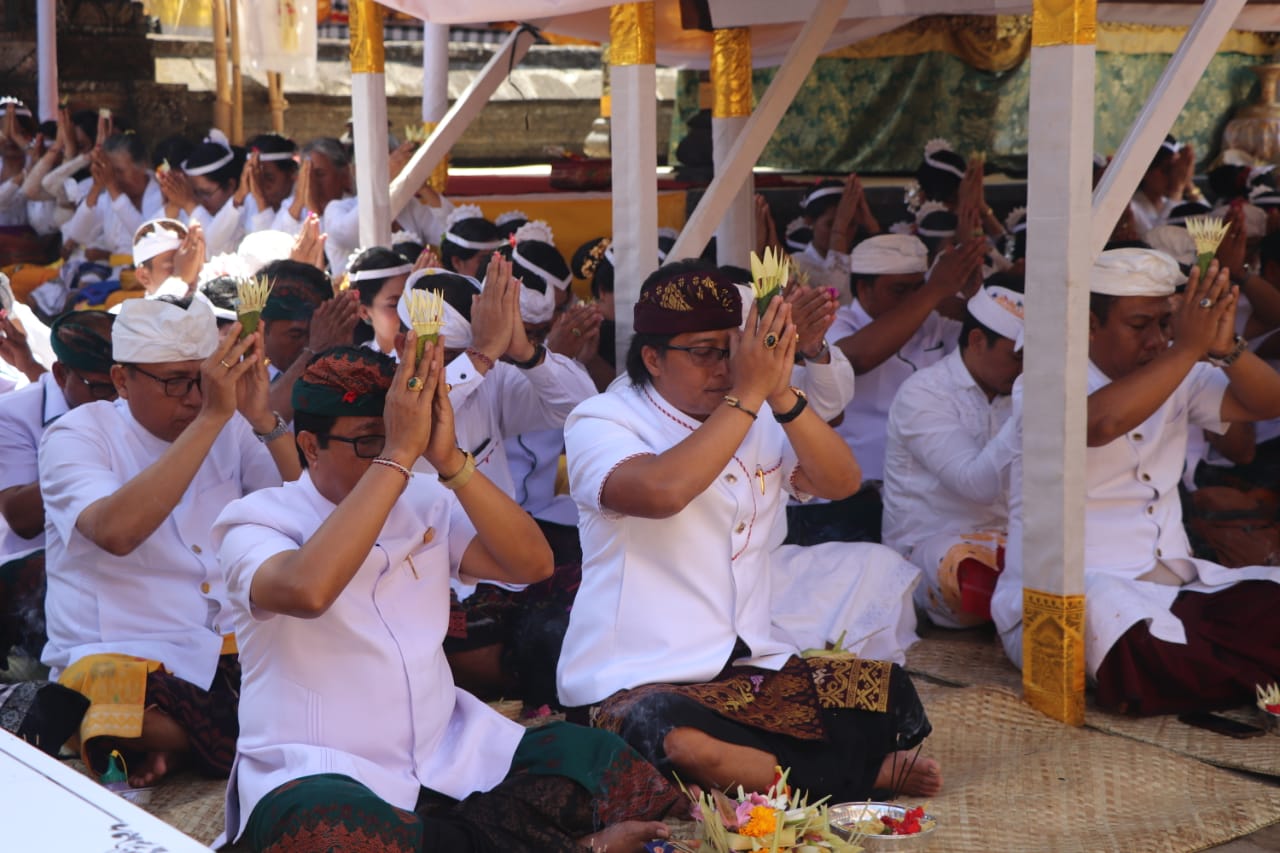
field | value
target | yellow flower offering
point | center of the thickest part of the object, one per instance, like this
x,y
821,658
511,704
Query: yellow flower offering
x,y
769,275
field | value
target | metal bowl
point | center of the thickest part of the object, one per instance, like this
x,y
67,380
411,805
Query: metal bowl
x,y
845,817
1270,721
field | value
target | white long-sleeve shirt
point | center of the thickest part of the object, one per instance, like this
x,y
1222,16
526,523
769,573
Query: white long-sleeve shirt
x,y
947,457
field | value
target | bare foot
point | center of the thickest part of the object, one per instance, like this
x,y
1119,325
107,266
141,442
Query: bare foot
x,y
155,768
630,836
906,773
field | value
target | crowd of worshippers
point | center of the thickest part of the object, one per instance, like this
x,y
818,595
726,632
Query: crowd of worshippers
x,y
304,556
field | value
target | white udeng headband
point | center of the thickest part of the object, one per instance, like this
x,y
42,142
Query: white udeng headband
x,y
560,283
1000,310
822,193
375,274
934,232
479,246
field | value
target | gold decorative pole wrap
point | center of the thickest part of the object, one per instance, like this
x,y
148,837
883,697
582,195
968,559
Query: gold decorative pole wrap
x,y
368,56
221,85
1053,654
631,34
1064,22
731,73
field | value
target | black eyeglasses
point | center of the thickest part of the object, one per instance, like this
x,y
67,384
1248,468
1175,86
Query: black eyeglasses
x,y
703,356
365,446
177,386
97,390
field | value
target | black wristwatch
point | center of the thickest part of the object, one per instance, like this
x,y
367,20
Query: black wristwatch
x,y
538,352
789,416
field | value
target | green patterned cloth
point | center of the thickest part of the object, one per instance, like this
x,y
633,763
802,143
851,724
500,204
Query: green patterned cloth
x,y
875,115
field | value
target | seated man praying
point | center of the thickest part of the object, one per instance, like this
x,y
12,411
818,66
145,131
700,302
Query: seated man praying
x,y
681,475
135,599
1164,632
339,587
947,461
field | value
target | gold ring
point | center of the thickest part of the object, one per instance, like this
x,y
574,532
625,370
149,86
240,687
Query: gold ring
x,y
223,362
577,333
770,341
416,384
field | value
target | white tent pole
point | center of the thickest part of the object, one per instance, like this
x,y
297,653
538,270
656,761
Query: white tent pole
x,y
746,150
633,78
460,115
730,111
1180,76
435,71
369,126
47,60
1053,422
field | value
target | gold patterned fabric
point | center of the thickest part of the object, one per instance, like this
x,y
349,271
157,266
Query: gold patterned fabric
x,y
688,302
631,34
1056,22
788,702
731,73
368,55
1053,654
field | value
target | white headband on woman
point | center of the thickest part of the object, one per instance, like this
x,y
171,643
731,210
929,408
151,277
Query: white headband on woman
x,y
381,272
456,329
547,277
215,137
821,192
932,147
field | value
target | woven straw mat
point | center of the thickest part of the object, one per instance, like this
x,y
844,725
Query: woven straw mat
x,y
975,657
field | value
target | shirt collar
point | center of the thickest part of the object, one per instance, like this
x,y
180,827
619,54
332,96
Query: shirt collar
x,y
959,370
54,402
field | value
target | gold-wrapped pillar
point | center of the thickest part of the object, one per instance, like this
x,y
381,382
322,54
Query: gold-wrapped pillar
x,y
731,102
369,125
633,87
1050,549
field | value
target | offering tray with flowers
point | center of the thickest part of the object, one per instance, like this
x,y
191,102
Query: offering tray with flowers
x,y
777,821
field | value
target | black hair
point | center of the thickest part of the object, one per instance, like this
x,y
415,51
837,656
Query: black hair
x,y
597,269
410,250
49,129
940,184
375,258
474,229
86,120
544,255
864,279
1100,306
208,153
173,149
274,143
638,373
1229,183
221,291
313,278
317,425
510,227
817,207
130,143
183,302
457,290
941,221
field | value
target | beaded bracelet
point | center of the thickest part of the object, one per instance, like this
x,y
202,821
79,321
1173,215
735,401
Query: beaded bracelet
x,y
393,465
480,357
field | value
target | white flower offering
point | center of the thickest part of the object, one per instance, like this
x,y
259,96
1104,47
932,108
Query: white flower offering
x,y
426,312
769,276
1207,232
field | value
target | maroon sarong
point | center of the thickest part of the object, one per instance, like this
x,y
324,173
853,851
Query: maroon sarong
x,y
1233,644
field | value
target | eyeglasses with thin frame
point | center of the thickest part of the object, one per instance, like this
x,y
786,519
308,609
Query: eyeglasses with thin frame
x,y
177,386
97,390
365,446
703,356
